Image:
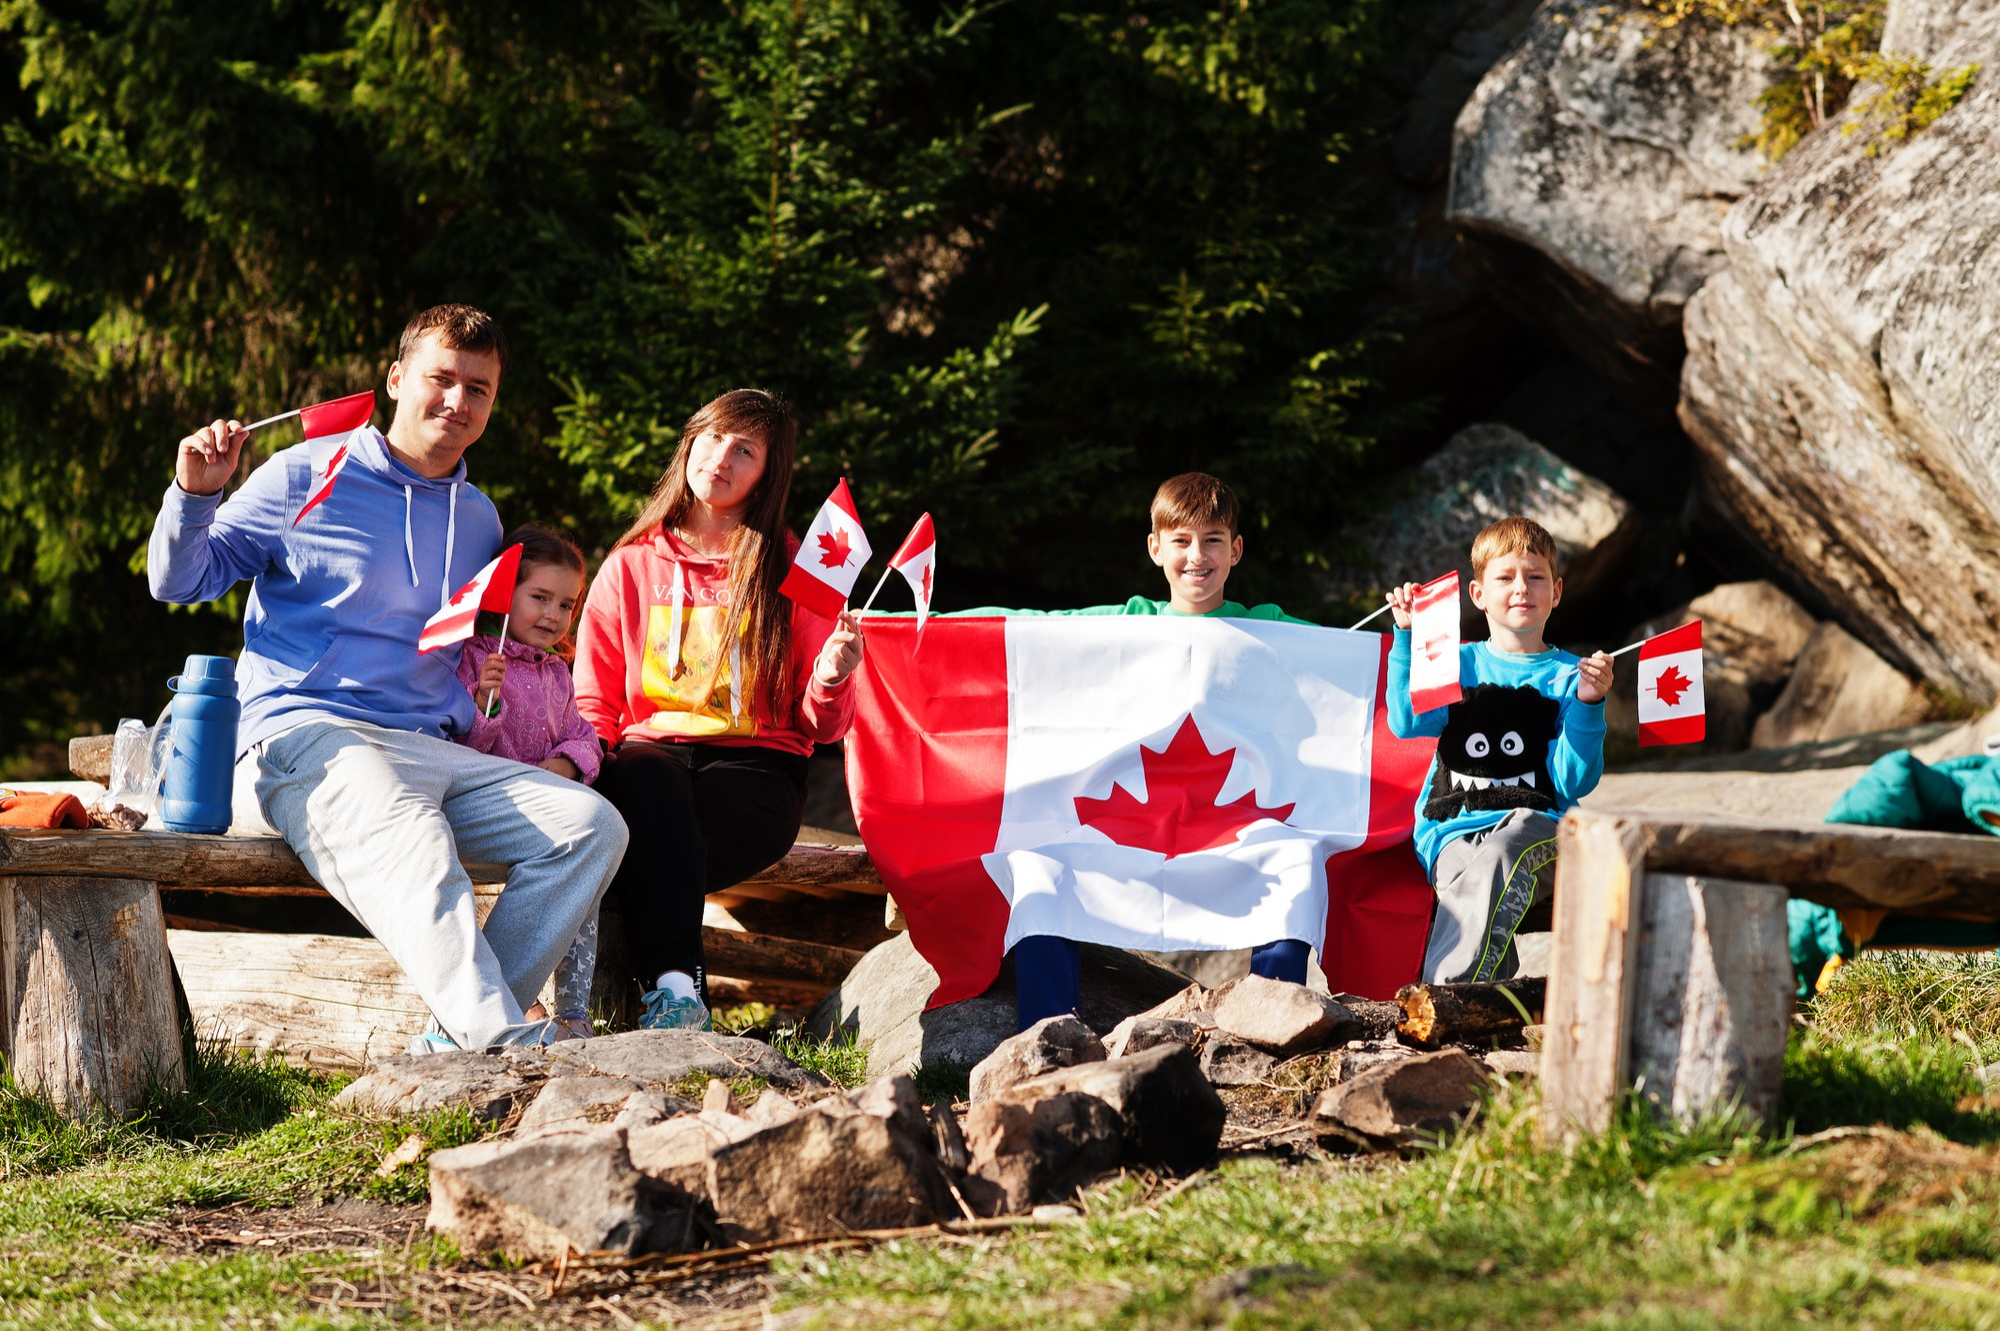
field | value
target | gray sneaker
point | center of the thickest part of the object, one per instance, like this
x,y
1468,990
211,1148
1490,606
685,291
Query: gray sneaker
x,y
664,1012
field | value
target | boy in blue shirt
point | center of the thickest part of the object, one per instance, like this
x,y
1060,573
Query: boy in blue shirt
x,y
1524,743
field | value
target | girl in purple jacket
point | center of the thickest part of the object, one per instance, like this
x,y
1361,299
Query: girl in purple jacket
x,y
527,711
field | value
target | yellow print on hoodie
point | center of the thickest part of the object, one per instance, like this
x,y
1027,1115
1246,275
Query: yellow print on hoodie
x,y
697,700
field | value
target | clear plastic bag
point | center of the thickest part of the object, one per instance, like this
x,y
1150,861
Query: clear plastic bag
x,y
134,785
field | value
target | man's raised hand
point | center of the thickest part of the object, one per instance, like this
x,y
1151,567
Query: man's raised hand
x,y
207,458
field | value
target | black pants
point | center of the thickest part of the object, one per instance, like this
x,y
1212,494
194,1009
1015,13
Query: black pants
x,y
703,817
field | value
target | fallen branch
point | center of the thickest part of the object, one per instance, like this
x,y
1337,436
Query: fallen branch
x,y
1436,1014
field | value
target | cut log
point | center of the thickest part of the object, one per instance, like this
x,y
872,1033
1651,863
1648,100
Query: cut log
x,y
320,1001
748,956
265,865
1435,1014
1587,1018
90,1020
1714,996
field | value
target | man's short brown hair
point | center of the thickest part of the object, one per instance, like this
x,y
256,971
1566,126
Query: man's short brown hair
x,y
1194,500
460,327
1513,536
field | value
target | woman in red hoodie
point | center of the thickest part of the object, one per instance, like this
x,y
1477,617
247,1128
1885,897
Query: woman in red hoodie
x,y
709,687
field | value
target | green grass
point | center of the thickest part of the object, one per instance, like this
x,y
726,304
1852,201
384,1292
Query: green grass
x,y
1902,995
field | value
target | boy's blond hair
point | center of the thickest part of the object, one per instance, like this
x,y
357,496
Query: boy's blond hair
x,y
1513,536
1195,500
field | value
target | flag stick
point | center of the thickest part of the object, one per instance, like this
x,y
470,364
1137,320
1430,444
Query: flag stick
x,y
878,589
1376,615
493,702
1632,648
272,420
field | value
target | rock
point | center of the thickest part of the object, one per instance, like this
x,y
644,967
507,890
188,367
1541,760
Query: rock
x,y
1141,1032
538,1197
1836,378
677,1151
1752,627
1053,1042
1168,1112
1281,1017
1458,42
1513,1064
883,1000
822,1173
576,1102
717,1099
1366,1055
668,1058
1839,688
490,1085
1485,473
1398,1103
644,1108
771,1107
1592,167
950,1141
1040,1152
1194,1003
1531,1036
1230,1062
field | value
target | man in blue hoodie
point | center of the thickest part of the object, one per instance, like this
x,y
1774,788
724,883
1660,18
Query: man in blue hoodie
x,y
344,748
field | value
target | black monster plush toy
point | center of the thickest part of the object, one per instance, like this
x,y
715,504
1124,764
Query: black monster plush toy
x,y
1494,752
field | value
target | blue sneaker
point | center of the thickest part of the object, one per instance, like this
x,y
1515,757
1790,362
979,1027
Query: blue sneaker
x,y
665,1012
431,1042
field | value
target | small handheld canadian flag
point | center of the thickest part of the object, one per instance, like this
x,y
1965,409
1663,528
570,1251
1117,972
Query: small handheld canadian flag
x,y
1671,709
327,425
492,588
1434,644
830,558
916,560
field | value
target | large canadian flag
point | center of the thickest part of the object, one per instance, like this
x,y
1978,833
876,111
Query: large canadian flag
x,y
1164,783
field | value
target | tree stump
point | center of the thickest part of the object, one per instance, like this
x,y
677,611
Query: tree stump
x,y
89,991
1714,996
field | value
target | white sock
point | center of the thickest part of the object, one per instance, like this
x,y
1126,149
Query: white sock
x,y
678,983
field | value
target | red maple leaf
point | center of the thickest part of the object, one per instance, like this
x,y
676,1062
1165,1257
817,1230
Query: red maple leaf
x,y
927,582
1179,815
834,548
1670,685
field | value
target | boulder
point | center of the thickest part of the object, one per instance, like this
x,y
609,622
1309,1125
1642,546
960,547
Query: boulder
x,y
1053,1042
1839,688
668,1058
1399,1103
1485,473
1751,637
1592,167
1836,381
1042,1152
1513,1064
1281,1017
883,1003
1361,1056
1141,1032
536,1198
1230,1062
491,1086
1194,1004
1168,1113
676,1152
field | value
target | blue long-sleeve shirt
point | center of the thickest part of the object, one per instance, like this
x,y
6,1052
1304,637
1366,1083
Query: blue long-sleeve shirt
x,y
1575,751
339,596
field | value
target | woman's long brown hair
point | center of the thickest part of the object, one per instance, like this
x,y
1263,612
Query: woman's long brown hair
x,y
758,559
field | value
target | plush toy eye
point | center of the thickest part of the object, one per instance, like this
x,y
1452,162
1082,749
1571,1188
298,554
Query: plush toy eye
x,y
1476,745
1511,745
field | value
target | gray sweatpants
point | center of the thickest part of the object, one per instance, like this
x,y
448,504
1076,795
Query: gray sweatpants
x,y
383,818
1485,882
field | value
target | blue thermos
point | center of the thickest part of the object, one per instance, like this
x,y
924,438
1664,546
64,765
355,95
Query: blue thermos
x,y
201,765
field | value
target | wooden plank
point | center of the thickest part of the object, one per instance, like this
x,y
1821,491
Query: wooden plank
x,y
749,956
90,1020
1600,870
259,865
1835,864
1713,997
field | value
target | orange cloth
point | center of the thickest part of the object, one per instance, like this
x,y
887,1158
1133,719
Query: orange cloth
x,y
19,809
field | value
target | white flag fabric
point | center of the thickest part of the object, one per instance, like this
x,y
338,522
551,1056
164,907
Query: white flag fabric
x,y
916,560
1180,782
1434,644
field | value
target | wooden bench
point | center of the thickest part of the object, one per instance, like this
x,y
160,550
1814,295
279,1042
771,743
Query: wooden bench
x,y
1669,968
87,961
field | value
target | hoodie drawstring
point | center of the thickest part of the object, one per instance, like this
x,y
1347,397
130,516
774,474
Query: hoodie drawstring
x,y
450,540
674,602
409,544
736,680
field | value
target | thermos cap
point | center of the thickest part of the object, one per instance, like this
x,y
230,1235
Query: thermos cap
x,y
206,674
